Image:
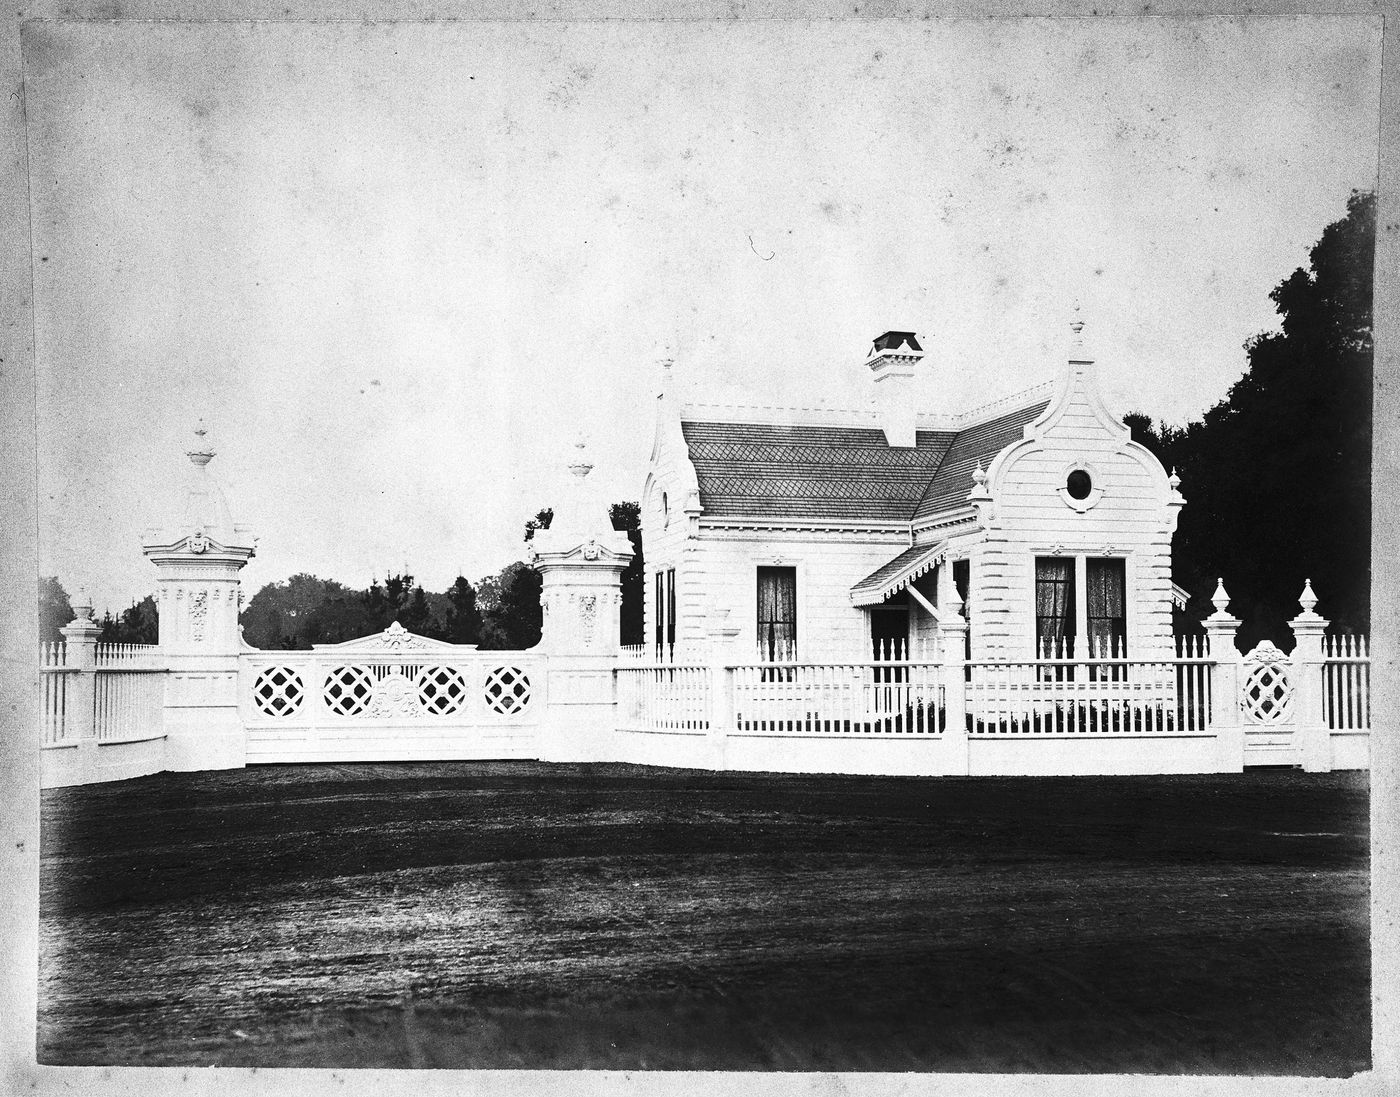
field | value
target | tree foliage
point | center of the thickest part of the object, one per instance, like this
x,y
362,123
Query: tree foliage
x,y
1277,476
139,623
500,611
55,610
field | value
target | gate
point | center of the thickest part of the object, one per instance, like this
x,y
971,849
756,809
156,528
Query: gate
x,y
1268,689
394,696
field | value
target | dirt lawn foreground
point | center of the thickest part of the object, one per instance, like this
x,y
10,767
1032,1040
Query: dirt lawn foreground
x,y
620,917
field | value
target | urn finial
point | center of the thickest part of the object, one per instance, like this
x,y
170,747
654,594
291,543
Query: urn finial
x,y
1220,599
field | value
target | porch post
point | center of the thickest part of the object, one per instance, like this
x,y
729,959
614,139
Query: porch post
x,y
1309,661
952,633
1225,685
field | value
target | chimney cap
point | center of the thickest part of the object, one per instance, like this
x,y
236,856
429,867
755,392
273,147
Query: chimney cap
x,y
893,340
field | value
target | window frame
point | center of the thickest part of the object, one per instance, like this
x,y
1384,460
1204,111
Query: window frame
x,y
762,644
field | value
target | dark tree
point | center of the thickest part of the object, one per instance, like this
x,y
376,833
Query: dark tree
x,y
540,521
139,623
1277,476
626,517
463,618
513,621
55,610
295,614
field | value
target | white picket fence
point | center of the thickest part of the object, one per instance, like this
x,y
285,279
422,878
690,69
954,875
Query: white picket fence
x,y
875,697
1100,696
1346,695
119,696
663,697
54,676
128,692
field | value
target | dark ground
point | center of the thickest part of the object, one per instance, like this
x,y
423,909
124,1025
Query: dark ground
x,y
617,917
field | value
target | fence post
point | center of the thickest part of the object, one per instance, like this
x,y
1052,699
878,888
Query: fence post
x,y
723,650
953,629
198,558
1309,662
580,558
81,635
1225,685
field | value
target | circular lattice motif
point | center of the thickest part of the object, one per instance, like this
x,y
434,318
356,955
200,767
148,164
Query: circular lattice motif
x,y
348,690
507,690
441,690
1267,694
278,691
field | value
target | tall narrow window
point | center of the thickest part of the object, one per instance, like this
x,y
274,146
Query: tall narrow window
x,y
659,612
1054,607
671,608
1106,617
962,582
777,612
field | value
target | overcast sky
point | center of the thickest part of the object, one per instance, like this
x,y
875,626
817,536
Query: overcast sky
x,y
398,266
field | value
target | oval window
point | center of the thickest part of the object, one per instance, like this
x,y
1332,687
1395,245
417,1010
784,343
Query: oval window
x,y
1079,484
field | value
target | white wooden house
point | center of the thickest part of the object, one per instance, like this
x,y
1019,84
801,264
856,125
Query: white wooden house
x,y
831,534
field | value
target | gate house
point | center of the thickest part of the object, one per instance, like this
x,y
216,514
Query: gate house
x,y
832,535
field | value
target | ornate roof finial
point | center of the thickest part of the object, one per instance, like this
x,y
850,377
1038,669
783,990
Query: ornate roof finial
x,y
979,477
1077,325
1174,481
202,453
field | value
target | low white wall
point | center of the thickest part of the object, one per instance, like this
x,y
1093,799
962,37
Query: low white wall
x,y
1351,750
88,761
684,750
407,743
871,755
1055,755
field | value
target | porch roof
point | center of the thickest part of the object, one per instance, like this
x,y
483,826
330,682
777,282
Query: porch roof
x,y
894,576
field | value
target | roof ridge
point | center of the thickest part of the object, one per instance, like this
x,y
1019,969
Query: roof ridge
x,y
764,414
1011,401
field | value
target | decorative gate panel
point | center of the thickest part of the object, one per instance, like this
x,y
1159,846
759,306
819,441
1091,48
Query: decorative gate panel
x,y
394,696
1267,701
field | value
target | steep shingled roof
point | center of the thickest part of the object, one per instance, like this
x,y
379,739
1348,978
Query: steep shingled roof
x,y
978,444
763,470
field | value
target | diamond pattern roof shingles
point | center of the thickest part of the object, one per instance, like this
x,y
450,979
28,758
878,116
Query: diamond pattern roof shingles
x,y
760,470
975,444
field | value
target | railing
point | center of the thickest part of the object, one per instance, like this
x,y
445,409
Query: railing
x,y
351,687
1346,683
127,698
128,692
54,676
894,697
663,697
1092,696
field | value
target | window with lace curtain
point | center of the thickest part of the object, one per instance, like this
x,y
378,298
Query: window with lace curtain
x,y
1106,614
777,612
1054,607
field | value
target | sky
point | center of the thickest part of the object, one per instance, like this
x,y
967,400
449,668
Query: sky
x,y
398,268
